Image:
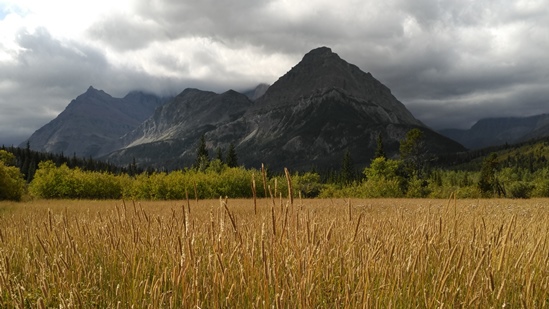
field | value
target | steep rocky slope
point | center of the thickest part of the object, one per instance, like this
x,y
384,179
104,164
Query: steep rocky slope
x,y
321,108
92,122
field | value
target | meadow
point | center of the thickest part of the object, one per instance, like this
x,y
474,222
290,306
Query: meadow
x,y
275,253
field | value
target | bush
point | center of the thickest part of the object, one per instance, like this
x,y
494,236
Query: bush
x,y
61,182
384,179
12,184
382,188
520,189
211,183
51,182
308,184
541,188
418,188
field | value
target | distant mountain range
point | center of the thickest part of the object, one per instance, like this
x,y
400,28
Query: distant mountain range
x,y
321,108
499,131
92,124
309,118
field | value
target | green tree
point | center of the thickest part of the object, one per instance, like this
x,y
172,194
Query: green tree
x,y
347,168
202,155
132,168
219,154
413,153
382,168
488,182
216,166
383,178
380,151
7,158
12,183
308,184
231,159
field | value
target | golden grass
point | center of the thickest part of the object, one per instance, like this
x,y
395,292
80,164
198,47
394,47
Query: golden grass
x,y
389,253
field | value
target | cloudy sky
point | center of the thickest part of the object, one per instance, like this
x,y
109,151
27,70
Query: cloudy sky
x,y
450,62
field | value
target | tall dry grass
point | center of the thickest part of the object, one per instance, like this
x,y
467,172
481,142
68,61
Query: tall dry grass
x,y
391,253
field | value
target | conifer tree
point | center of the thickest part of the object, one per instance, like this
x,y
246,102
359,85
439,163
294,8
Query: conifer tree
x,y
231,160
488,183
347,174
380,151
202,155
219,154
414,153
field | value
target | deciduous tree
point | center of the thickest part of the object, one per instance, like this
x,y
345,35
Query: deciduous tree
x,y
12,184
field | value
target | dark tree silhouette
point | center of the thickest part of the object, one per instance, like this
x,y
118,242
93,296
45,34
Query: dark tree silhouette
x,y
202,155
232,159
380,150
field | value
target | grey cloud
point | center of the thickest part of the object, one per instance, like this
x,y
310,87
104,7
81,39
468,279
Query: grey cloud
x,y
516,101
47,62
239,23
125,32
445,77
49,73
45,72
450,62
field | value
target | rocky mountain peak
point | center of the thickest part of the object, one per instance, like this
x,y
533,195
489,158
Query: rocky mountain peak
x,y
94,92
231,93
92,122
321,108
320,53
321,70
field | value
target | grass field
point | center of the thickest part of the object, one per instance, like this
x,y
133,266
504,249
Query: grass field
x,y
388,253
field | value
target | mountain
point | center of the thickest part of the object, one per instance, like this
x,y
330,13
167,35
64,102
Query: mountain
x,y
167,139
257,92
92,122
309,118
499,131
321,108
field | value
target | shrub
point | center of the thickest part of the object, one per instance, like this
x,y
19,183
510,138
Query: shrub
x,y
12,184
418,188
50,181
384,179
214,182
541,188
382,188
469,192
61,182
520,189
308,184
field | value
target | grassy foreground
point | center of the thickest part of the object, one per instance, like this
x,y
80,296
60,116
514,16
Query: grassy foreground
x,y
315,253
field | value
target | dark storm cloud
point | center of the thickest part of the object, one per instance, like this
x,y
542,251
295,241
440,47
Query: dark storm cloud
x,y
458,62
451,62
47,62
49,73
39,81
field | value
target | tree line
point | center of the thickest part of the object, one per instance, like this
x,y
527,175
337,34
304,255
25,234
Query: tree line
x,y
413,173
27,160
